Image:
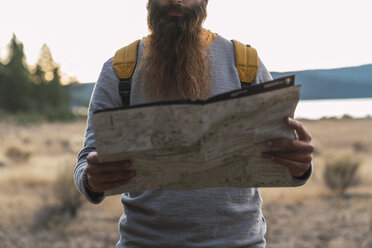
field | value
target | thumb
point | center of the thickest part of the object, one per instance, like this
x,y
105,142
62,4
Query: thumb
x,y
92,158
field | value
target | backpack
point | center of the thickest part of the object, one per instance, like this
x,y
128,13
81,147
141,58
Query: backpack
x,y
125,61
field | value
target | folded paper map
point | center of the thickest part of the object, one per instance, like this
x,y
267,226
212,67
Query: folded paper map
x,y
186,145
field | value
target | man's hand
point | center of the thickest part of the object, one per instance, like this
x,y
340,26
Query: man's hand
x,y
106,176
296,154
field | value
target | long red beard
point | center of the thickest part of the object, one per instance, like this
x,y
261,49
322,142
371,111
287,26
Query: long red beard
x,y
175,62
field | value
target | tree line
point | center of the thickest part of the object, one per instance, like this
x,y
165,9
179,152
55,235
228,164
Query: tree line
x,y
36,89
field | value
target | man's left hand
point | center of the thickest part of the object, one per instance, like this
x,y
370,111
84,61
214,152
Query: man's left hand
x,y
295,154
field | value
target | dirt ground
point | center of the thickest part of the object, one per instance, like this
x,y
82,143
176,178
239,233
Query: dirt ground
x,y
308,216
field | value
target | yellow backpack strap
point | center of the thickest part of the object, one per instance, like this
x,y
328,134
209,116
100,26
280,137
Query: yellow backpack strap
x,y
208,36
125,60
124,63
246,59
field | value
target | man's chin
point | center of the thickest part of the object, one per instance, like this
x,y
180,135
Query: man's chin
x,y
175,13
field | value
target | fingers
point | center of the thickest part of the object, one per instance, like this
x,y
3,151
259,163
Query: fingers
x,y
110,177
95,167
290,145
106,176
292,156
92,158
295,154
104,181
303,134
297,169
107,167
102,187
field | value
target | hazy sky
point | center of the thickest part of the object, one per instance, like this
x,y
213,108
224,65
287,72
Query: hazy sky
x,y
289,34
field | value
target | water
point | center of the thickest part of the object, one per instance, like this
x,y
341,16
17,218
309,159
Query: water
x,y
316,109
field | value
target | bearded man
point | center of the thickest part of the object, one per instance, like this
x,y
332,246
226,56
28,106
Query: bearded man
x,y
176,62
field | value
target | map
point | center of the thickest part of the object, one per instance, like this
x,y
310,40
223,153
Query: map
x,y
186,145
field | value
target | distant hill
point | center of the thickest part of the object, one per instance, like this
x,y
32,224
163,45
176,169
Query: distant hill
x,y
350,82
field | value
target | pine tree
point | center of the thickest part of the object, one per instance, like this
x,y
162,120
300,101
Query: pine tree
x,y
2,73
46,62
2,84
16,84
56,93
50,95
38,88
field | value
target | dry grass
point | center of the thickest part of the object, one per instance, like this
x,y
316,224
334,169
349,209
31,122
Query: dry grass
x,y
311,216
29,198
308,216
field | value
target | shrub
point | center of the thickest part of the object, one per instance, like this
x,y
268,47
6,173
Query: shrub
x,y
47,217
68,197
341,172
359,146
18,155
346,116
59,113
66,145
68,202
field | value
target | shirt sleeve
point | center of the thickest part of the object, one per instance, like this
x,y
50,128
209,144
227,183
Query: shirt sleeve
x,y
263,75
105,96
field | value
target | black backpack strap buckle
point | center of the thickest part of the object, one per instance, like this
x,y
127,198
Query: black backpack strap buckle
x,y
124,91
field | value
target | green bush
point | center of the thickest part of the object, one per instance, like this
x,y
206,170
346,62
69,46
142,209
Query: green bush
x,y
49,114
341,172
58,113
25,118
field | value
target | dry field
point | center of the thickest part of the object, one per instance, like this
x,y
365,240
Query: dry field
x,y
308,216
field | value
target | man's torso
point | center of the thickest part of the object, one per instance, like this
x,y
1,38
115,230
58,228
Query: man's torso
x,y
216,217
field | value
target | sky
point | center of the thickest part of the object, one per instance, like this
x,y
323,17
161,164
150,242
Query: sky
x,y
288,34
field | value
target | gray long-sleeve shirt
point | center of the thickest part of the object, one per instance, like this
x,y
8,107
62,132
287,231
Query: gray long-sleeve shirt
x,y
214,217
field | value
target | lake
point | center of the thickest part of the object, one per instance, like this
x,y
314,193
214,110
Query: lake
x,y
316,109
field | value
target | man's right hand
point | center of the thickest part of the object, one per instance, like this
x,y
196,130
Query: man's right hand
x,y
105,176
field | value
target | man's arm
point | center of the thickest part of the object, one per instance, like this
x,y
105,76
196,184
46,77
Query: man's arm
x,y
105,95
299,159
